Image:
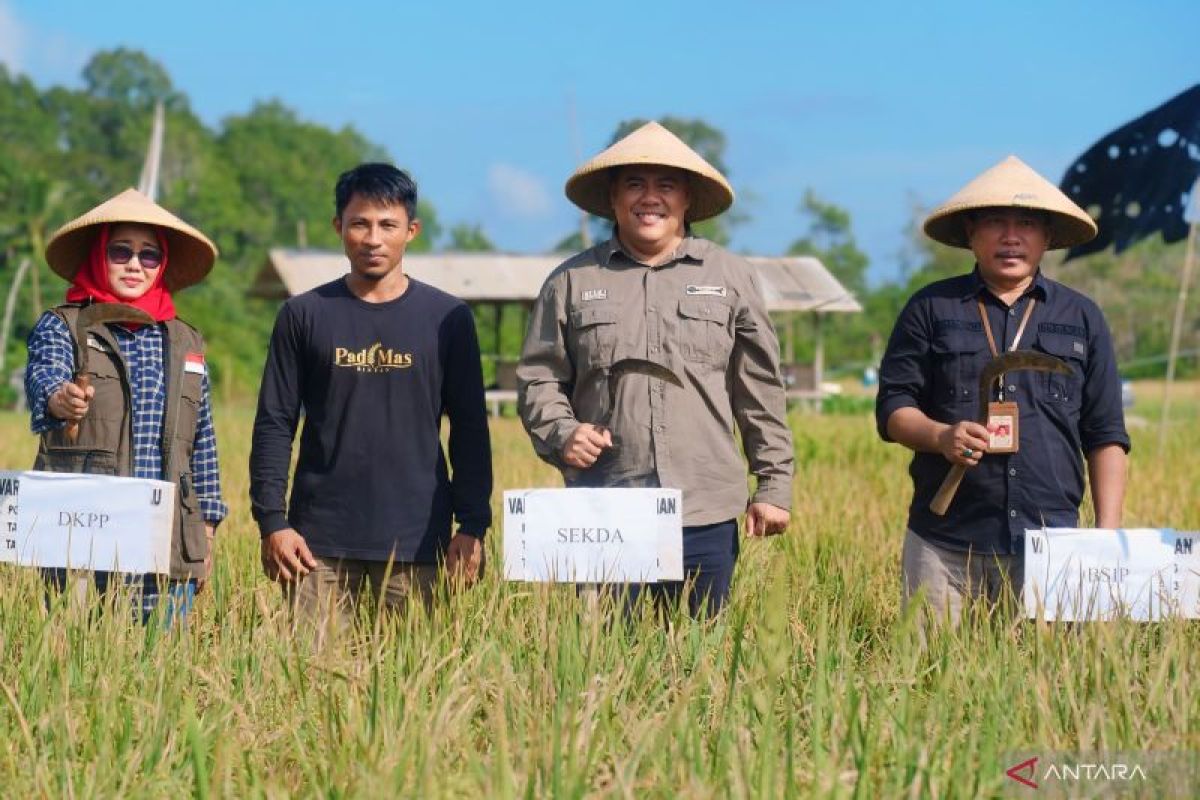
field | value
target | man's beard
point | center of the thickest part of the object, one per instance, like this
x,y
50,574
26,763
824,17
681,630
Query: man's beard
x,y
368,275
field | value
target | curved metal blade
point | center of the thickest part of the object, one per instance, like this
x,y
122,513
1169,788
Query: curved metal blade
x,y
1018,360
642,366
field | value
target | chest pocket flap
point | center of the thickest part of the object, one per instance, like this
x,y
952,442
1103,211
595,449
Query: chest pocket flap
x,y
704,309
593,334
958,358
1072,350
593,315
705,335
1066,346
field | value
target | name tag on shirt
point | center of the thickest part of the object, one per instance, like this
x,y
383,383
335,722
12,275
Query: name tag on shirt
x,y
705,291
595,294
1003,436
194,363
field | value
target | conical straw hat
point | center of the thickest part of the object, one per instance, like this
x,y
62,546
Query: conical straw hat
x,y
190,254
653,144
1011,184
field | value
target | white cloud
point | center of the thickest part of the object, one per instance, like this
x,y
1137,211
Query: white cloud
x,y
46,56
516,193
13,36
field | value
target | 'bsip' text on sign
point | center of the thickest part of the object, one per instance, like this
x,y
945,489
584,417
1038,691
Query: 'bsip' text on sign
x,y
1075,574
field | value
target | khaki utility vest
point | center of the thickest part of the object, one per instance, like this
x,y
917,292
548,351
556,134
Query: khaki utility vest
x,y
105,442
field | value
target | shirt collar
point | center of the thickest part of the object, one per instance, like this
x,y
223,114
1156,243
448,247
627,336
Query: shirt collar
x,y
691,250
975,285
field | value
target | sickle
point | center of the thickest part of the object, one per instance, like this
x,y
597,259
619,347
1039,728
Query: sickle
x,y
1005,362
612,378
631,366
89,317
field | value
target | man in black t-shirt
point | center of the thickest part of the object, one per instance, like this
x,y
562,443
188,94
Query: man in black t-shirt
x,y
374,360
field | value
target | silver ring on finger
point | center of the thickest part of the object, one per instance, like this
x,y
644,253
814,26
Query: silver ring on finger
x,y
968,452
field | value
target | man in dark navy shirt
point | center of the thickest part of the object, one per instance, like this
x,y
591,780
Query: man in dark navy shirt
x,y
373,360
929,385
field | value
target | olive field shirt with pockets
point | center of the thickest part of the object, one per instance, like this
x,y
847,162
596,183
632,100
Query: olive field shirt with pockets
x,y
933,362
702,315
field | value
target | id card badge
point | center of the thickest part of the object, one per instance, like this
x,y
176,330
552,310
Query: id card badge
x,y
1002,421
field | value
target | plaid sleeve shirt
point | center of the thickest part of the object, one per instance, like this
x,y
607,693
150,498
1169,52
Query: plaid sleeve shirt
x,y
52,363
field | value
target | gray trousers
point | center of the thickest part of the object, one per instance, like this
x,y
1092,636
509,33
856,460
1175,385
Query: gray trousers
x,y
948,577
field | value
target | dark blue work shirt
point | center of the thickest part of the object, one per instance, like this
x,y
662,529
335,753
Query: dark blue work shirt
x,y
933,362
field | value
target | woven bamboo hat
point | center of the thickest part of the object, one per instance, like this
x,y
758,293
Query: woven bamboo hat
x,y
710,193
190,254
1011,184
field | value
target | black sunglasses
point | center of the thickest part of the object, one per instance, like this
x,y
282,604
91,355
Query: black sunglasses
x,y
149,258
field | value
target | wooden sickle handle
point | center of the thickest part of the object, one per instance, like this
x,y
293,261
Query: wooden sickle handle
x,y
72,429
949,487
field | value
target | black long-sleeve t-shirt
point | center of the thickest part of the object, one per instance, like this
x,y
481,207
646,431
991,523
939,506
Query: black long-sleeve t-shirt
x,y
373,381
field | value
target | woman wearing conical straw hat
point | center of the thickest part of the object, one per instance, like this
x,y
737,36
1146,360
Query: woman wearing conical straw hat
x,y
1021,447
118,385
657,293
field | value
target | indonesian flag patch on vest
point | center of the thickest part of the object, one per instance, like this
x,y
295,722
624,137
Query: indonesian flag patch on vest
x,y
194,362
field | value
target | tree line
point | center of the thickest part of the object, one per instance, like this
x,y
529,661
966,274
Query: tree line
x,y
263,179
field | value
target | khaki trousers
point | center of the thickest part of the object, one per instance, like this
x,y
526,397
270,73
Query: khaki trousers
x,y
326,600
949,577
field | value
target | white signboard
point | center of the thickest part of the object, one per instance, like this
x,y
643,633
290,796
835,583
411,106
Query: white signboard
x,y
9,483
96,522
1076,574
593,535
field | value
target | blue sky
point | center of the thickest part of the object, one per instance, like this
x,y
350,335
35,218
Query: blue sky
x,y
879,107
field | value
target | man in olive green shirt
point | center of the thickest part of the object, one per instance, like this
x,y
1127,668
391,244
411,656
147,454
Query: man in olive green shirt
x,y
655,292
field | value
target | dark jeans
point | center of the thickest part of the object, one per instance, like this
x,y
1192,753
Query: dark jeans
x,y
146,591
709,555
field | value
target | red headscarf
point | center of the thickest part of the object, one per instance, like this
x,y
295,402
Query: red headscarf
x,y
91,281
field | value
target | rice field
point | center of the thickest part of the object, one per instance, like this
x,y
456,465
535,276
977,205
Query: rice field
x,y
810,684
